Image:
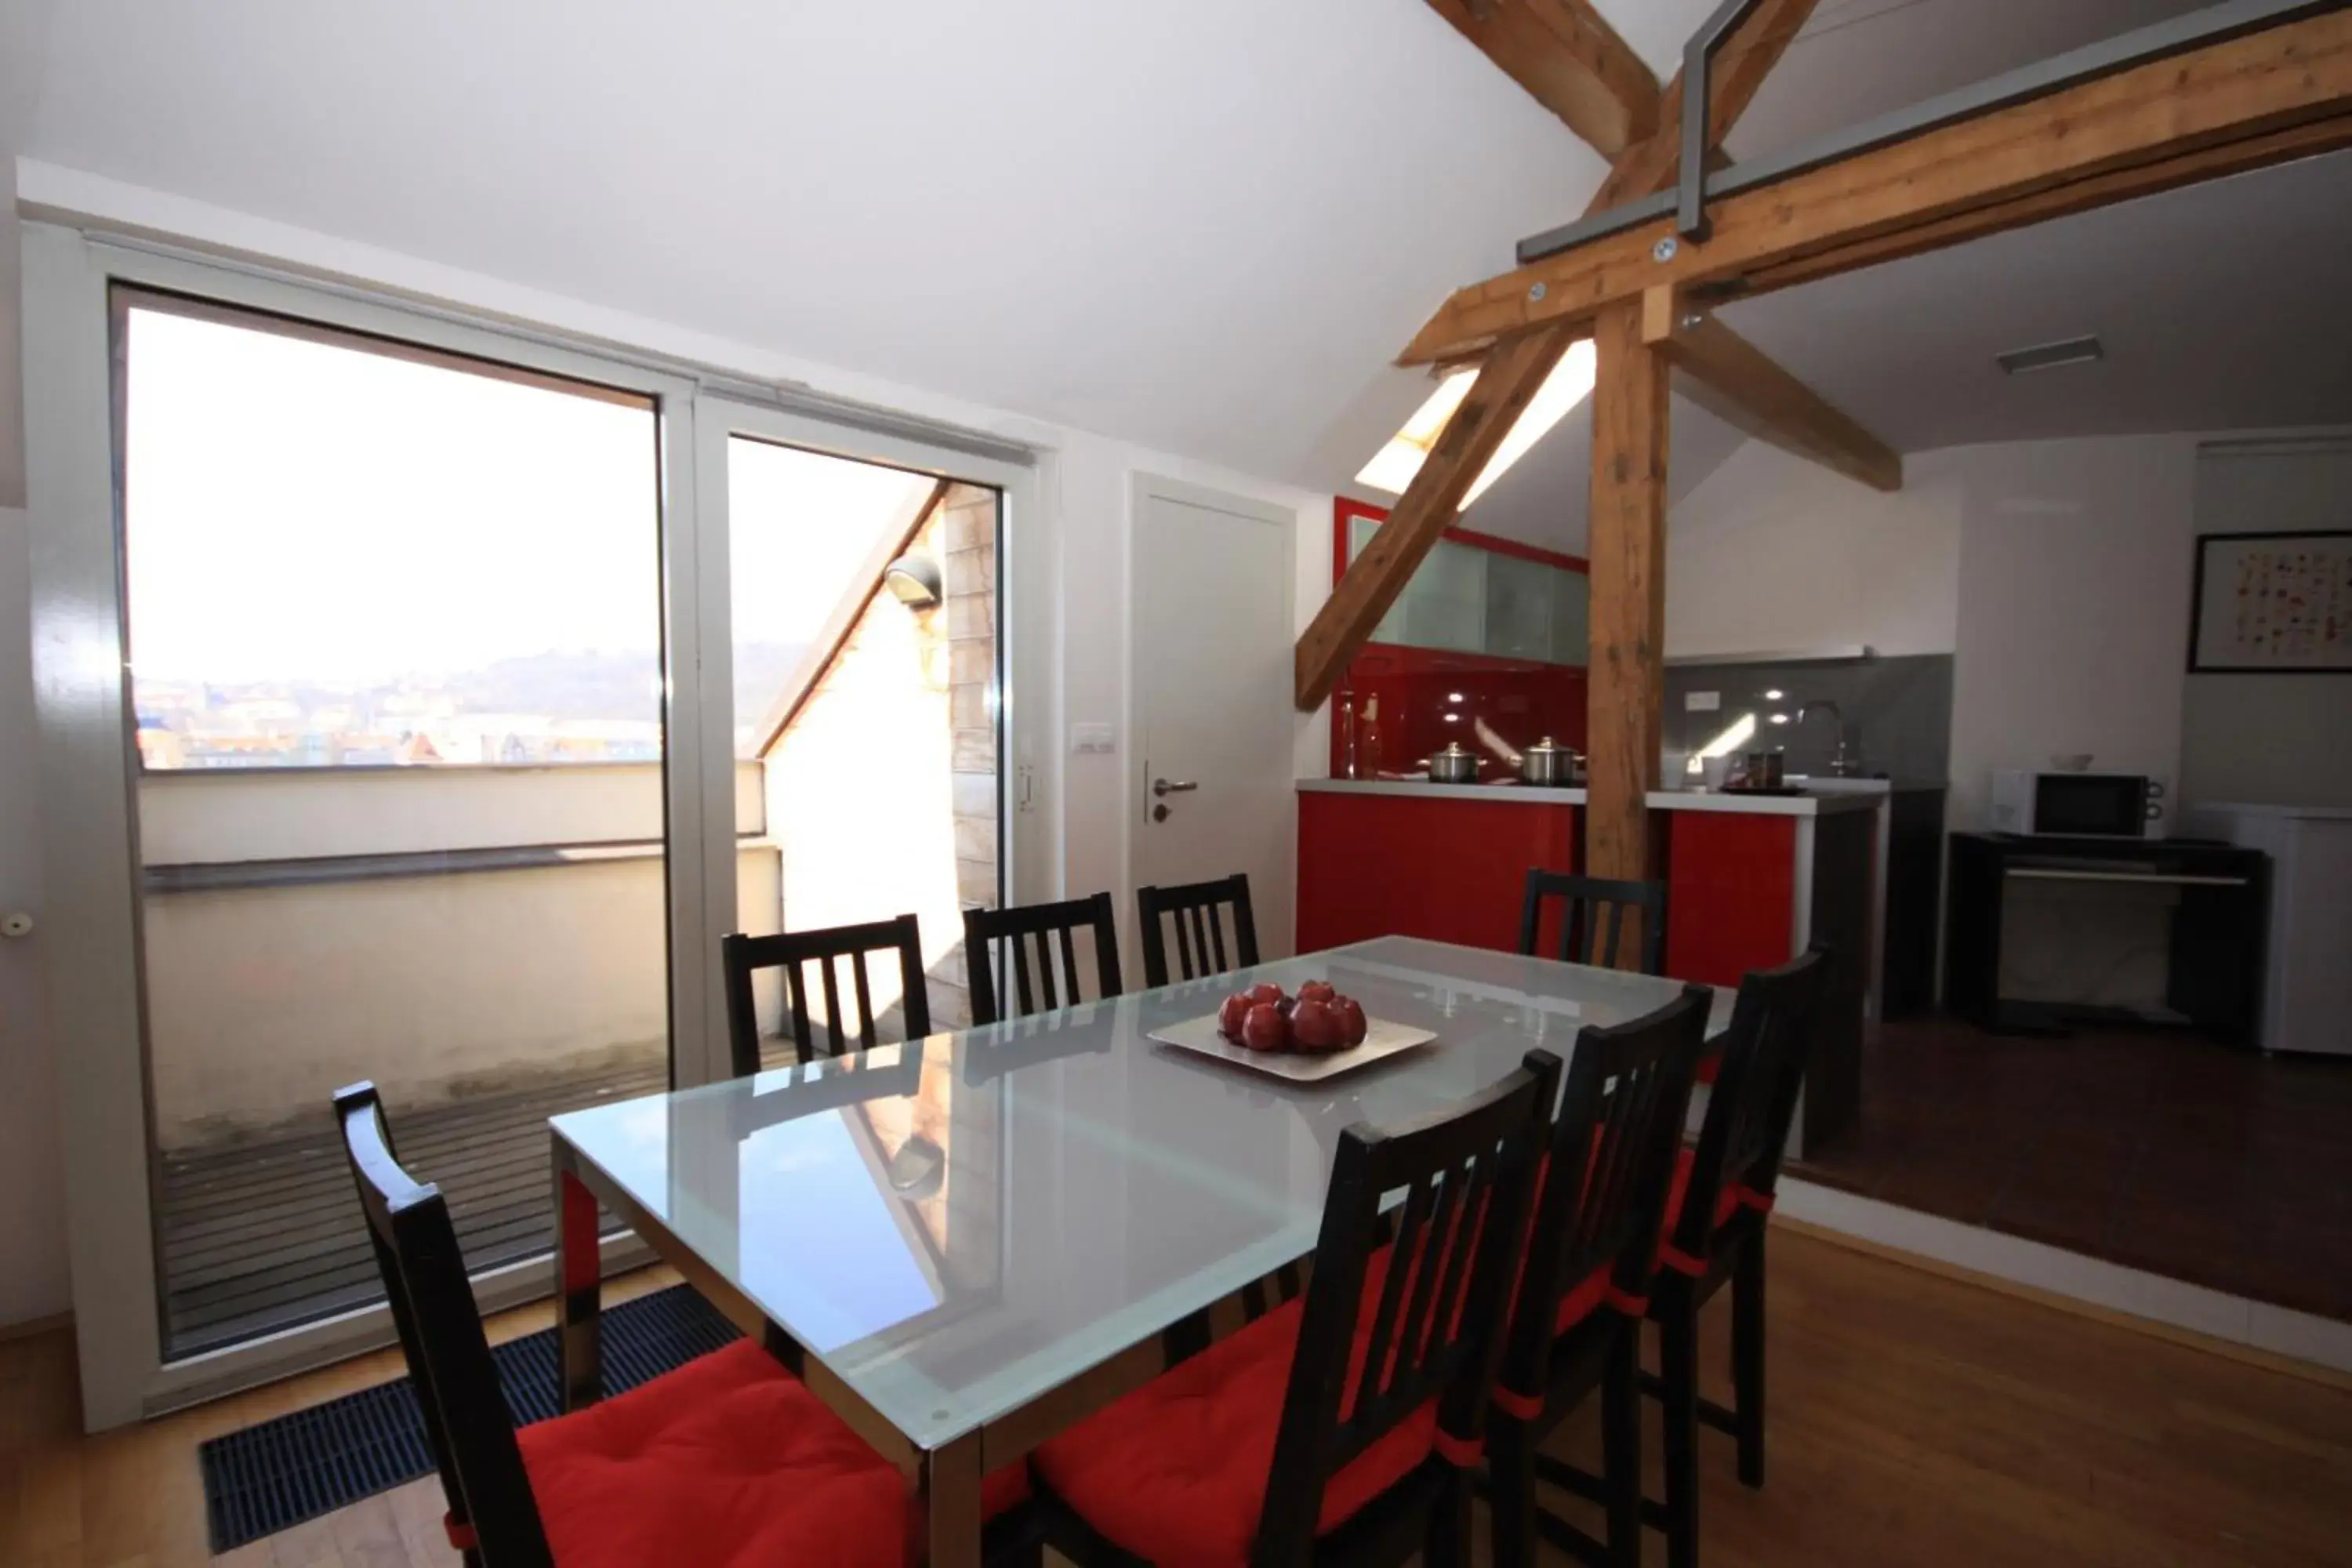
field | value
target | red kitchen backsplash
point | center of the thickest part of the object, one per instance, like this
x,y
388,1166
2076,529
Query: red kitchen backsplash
x,y
1406,702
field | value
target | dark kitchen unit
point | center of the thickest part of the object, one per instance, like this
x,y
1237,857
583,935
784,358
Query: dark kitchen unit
x,y
2204,904
1893,716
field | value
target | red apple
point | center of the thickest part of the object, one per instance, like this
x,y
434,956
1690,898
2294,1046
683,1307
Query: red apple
x,y
1352,1014
1318,990
1265,1029
1266,992
1230,1015
1317,1027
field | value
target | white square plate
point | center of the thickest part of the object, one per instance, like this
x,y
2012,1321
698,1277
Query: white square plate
x,y
1382,1038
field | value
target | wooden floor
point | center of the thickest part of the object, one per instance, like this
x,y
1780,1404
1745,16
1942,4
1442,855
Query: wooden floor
x,y
1915,1420
263,1234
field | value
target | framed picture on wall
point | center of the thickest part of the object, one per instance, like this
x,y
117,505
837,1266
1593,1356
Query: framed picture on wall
x,y
2272,603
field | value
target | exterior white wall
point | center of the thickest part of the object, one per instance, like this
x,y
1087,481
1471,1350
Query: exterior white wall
x,y
861,791
32,1281
263,1001
209,817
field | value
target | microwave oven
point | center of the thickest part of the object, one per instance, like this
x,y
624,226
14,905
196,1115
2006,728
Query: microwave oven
x,y
2077,805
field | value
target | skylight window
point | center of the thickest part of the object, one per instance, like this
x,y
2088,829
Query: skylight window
x,y
1394,465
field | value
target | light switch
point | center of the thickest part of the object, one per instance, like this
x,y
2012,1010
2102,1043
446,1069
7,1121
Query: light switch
x,y
1701,701
1087,740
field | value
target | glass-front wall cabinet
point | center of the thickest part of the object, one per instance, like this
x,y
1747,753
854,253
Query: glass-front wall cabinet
x,y
1486,645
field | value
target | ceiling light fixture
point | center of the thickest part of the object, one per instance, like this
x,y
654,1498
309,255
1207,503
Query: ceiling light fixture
x,y
2050,356
1394,465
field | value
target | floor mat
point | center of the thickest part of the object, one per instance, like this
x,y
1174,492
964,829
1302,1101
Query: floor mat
x,y
272,1476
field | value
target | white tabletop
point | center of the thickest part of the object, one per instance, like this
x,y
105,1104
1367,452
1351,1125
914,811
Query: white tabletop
x,y
959,1227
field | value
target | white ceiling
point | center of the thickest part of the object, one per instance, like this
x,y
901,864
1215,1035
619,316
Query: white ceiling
x,y
2220,306
1203,226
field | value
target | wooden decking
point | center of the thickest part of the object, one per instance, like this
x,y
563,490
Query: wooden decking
x,y
259,1236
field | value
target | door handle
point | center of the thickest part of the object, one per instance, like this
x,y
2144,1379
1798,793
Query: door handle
x,y
1174,786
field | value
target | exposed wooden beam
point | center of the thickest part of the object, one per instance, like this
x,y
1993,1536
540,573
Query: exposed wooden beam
x,y
2309,140
1625,691
2150,127
1743,62
1508,378
1571,60
1729,377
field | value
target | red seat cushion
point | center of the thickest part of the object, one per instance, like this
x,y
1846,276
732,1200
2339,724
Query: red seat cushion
x,y
1710,1065
729,1461
1727,1202
1176,1471
1581,1302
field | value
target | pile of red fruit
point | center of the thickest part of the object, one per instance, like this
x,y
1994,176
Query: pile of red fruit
x,y
1315,1022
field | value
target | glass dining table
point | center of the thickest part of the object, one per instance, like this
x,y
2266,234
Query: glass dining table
x,y
967,1244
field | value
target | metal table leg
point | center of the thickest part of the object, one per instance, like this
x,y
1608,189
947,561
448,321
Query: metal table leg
x,y
579,1276
946,1530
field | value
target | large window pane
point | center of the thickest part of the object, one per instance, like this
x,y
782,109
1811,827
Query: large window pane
x,y
395,638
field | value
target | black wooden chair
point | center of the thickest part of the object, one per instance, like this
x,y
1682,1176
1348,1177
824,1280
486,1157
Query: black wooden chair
x,y
618,1483
791,952
1044,927
1715,1230
1343,1427
1592,903
1201,911
1577,1326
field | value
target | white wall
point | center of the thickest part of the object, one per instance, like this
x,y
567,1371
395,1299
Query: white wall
x,y
32,1202
2283,740
1772,552
2073,609
2056,572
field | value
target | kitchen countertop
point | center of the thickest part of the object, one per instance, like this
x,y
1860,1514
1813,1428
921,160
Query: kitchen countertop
x,y
1827,804
1828,785
2303,813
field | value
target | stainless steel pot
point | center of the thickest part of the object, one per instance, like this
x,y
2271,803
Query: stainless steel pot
x,y
1548,763
1454,766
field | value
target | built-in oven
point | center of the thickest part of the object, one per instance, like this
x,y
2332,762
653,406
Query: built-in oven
x,y
2077,805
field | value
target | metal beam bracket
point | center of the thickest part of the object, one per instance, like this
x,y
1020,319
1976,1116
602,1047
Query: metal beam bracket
x,y
2196,29
1699,60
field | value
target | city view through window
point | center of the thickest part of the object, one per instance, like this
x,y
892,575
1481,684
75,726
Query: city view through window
x,y
341,557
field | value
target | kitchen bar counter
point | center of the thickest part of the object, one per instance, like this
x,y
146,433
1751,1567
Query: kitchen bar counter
x,y
1751,881
1857,796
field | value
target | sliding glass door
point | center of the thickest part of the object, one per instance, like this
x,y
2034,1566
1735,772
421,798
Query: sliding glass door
x,y
421,702
370,718
394,632
868,698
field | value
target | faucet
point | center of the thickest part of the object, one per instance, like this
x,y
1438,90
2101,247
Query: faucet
x,y
1843,761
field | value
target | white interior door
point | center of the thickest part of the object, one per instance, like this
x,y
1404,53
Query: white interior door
x,y
1214,720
